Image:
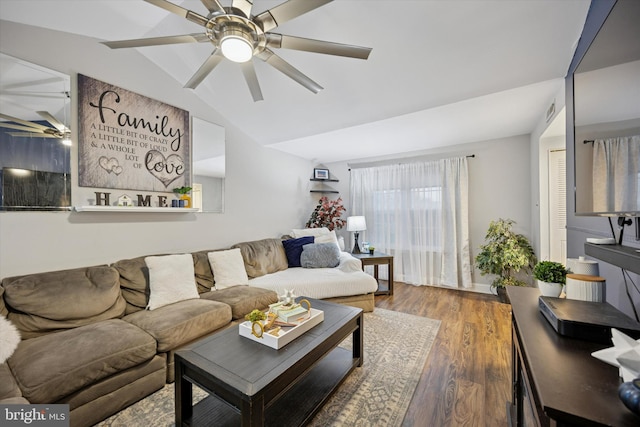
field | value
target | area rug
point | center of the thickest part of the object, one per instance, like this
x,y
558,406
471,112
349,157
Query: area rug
x,y
377,394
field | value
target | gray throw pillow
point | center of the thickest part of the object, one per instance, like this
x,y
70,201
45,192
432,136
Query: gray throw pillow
x,y
320,255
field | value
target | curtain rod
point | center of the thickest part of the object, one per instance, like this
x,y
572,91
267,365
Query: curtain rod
x,y
586,141
468,156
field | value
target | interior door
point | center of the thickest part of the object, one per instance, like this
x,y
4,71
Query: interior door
x,y
557,206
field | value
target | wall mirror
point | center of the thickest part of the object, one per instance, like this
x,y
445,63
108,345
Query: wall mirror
x,y
607,117
35,137
208,157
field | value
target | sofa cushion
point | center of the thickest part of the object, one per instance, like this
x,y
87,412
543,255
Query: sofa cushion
x,y
171,279
228,268
263,256
293,249
8,385
53,301
3,308
49,367
243,299
134,282
320,255
202,271
176,324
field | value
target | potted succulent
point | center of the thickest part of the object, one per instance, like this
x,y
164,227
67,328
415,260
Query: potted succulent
x,y
504,254
551,277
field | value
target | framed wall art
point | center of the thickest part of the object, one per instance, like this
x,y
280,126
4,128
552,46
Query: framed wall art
x,y
129,141
319,173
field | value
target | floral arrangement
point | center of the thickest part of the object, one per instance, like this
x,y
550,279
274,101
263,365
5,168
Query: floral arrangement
x,y
327,214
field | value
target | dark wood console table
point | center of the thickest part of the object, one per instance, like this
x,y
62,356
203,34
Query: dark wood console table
x,y
556,381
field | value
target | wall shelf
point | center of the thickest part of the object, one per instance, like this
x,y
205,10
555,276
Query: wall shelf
x,y
621,256
122,209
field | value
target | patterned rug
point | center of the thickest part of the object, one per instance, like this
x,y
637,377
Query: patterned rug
x,y
377,394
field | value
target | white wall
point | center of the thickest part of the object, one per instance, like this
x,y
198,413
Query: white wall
x,y
499,185
266,191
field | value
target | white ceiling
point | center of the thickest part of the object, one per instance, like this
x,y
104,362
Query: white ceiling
x,y
441,72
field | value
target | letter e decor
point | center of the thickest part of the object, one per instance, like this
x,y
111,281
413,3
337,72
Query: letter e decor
x,y
129,141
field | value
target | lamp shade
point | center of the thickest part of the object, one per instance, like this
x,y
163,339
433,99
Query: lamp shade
x,y
356,223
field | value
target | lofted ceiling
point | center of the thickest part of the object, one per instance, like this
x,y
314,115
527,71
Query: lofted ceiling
x,y
441,72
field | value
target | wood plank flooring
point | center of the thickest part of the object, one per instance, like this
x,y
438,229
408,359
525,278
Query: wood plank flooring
x,y
467,377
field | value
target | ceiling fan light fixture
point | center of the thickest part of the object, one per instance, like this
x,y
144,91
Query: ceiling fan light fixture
x,y
235,46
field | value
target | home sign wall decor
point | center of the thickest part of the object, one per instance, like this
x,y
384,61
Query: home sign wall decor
x,y
128,141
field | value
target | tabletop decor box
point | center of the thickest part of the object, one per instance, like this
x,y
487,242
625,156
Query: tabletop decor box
x,y
285,336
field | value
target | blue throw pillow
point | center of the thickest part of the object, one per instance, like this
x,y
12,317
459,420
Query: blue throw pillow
x,y
293,249
320,255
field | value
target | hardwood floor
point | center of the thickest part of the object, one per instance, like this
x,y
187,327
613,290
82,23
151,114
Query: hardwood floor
x,y
466,380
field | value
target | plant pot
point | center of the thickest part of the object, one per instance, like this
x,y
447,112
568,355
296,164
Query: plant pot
x,y
550,289
502,295
187,200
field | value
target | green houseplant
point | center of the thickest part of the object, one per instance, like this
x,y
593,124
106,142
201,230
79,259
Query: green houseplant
x,y
551,277
504,254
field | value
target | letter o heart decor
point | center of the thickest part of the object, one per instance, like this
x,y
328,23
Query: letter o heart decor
x,y
165,169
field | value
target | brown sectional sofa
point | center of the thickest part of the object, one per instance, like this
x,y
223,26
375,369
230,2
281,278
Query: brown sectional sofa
x,y
89,342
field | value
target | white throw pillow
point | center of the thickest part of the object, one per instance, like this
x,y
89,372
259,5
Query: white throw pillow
x,y
171,279
228,268
9,338
315,232
328,238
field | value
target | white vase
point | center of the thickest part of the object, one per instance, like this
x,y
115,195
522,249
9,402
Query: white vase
x,y
550,289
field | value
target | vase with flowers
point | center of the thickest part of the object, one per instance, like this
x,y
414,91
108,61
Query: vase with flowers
x,y
327,214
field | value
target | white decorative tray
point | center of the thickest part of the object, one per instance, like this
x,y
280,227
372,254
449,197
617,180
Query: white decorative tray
x,y
286,334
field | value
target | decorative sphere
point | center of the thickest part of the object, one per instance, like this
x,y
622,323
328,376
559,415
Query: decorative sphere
x,y
629,393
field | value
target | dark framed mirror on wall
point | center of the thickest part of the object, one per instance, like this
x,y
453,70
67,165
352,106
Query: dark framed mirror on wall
x,y
606,86
35,137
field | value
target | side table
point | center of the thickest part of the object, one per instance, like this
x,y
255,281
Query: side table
x,y
378,258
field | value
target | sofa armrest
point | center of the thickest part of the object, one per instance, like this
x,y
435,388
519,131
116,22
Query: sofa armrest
x,y
349,263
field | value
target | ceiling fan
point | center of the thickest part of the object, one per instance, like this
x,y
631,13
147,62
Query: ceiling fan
x,y
36,130
239,36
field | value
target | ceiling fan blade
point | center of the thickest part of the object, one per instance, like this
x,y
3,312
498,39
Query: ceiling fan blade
x,y
205,69
244,6
180,11
54,122
33,135
250,76
158,41
284,67
317,46
18,127
213,6
26,123
55,95
287,11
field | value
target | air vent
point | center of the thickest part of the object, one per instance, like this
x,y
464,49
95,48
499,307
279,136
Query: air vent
x,y
551,110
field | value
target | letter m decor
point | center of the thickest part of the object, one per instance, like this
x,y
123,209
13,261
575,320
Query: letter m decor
x,y
131,142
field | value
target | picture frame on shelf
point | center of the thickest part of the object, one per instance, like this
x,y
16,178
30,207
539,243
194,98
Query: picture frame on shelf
x,y
319,173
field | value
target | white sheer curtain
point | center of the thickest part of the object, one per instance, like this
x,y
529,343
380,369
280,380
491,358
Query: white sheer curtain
x,y
616,174
418,212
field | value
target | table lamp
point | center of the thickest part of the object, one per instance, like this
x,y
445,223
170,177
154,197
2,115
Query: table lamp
x,y
356,224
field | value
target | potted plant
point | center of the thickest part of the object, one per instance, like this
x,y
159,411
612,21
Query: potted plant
x,y
183,191
504,254
551,277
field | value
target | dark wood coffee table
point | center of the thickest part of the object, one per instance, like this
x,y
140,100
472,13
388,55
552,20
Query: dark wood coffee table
x,y
250,384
